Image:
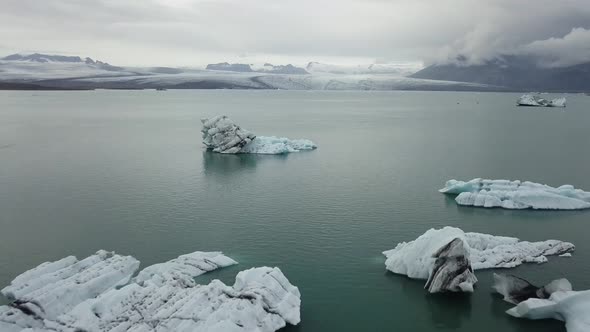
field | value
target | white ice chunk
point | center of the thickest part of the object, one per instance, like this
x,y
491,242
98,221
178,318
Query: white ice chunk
x,y
530,100
418,259
516,195
184,268
556,300
222,135
277,145
53,288
165,297
516,290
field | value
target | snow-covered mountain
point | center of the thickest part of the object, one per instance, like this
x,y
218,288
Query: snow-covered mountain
x,y
42,71
266,68
400,69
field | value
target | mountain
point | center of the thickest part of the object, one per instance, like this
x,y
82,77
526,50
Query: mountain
x,y
518,73
37,57
266,68
48,58
50,72
282,69
237,67
400,69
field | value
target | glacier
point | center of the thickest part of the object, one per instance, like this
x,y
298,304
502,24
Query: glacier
x,y
555,300
530,100
516,195
222,135
99,294
448,257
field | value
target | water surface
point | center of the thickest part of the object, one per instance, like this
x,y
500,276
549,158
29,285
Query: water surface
x,y
126,171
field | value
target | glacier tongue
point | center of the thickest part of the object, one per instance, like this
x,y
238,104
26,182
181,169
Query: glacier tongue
x,y
421,258
222,135
516,195
163,297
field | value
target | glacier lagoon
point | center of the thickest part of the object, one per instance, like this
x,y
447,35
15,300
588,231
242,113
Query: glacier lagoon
x,y
126,171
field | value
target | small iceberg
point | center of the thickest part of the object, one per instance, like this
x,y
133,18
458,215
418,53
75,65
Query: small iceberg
x,y
448,257
222,135
99,294
530,100
516,195
555,300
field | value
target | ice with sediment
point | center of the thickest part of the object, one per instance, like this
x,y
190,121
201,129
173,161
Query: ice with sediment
x,y
516,195
530,100
421,258
163,297
555,300
222,135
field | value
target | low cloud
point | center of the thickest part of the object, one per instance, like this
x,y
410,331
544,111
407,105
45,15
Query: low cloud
x,y
195,32
571,49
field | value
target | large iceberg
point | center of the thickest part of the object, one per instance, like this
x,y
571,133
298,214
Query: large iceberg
x,y
447,257
99,294
516,195
555,300
222,135
530,100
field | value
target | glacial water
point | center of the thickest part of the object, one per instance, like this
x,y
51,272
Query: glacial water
x,y
126,171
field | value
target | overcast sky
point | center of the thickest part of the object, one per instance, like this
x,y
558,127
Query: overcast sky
x,y
196,32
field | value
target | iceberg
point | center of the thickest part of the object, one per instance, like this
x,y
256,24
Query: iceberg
x,y
556,300
530,100
448,257
516,195
516,290
99,294
222,135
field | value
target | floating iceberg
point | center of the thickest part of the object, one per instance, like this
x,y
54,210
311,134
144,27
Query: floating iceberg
x,y
222,135
556,300
277,145
447,257
516,195
530,100
98,294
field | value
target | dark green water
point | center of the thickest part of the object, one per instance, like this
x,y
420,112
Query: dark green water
x,y
125,171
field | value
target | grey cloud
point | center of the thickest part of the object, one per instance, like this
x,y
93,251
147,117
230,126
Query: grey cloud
x,y
572,49
189,32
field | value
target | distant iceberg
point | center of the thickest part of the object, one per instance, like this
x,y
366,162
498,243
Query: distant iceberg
x,y
516,195
222,135
530,100
99,294
447,257
555,300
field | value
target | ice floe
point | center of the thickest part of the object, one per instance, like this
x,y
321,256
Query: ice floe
x,y
530,100
222,135
99,294
516,195
447,257
555,300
